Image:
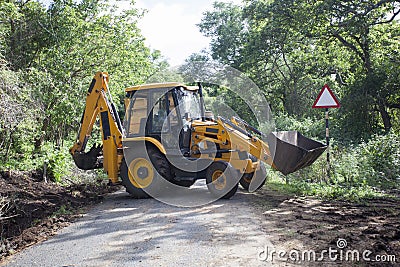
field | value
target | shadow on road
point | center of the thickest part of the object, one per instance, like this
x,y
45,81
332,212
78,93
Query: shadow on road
x,y
123,229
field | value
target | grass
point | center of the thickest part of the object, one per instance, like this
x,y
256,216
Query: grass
x,y
63,210
344,192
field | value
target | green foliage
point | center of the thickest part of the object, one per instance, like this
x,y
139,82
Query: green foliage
x,y
18,114
227,104
58,161
324,191
374,162
224,23
291,48
48,55
55,161
312,128
382,153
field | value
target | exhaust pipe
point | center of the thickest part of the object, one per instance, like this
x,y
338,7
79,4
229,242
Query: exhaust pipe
x,y
202,112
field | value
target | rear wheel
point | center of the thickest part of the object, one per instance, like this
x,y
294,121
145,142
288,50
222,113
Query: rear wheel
x,y
138,176
143,173
221,179
259,176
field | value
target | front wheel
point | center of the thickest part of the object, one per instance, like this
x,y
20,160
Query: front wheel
x,y
221,179
254,181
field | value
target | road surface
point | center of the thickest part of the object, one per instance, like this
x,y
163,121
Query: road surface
x,y
128,232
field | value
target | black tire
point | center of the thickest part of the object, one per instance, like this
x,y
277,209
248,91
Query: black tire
x,y
155,164
183,183
133,190
221,179
163,167
245,180
160,162
259,175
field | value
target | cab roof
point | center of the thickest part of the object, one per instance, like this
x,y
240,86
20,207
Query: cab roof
x,y
160,85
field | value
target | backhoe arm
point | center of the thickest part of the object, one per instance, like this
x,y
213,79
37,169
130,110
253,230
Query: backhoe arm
x,y
286,151
242,140
109,155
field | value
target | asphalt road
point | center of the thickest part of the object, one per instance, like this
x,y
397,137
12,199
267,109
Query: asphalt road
x,y
127,232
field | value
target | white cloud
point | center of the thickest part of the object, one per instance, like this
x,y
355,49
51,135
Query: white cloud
x,y
173,31
170,26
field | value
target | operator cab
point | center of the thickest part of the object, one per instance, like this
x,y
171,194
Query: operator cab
x,y
163,111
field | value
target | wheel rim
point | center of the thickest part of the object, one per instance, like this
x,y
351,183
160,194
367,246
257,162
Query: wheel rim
x,y
219,180
141,173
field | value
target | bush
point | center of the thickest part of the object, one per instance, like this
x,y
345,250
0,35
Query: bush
x,y
307,126
357,172
379,160
374,163
58,161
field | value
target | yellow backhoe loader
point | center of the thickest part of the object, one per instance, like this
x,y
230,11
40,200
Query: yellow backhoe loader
x,y
166,134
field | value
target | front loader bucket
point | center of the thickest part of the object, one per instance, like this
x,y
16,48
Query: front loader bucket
x,y
292,151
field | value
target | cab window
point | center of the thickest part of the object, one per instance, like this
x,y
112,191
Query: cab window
x,y
138,113
159,119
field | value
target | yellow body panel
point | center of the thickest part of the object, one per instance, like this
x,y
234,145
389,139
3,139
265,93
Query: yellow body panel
x,y
148,139
153,86
217,132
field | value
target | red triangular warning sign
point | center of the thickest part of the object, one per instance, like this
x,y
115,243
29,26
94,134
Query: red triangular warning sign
x,y
326,99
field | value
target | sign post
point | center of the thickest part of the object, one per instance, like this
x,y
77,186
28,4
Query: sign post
x,y
326,99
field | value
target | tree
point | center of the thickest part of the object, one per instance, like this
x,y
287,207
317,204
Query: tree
x,y
224,25
289,47
18,112
366,29
23,34
54,51
62,46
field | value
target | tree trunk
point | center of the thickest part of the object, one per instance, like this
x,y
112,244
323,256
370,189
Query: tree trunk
x,y
40,139
385,117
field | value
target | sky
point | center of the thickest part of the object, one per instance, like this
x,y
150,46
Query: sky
x,y
170,26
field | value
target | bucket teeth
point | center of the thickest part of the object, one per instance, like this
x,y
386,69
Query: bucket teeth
x,y
89,160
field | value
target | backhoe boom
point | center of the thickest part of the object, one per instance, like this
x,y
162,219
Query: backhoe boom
x,y
109,155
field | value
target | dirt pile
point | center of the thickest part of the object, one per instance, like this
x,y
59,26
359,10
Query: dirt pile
x,y
304,224
32,210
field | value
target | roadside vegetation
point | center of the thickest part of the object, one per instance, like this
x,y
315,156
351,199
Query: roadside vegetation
x,y
290,49
48,55
358,171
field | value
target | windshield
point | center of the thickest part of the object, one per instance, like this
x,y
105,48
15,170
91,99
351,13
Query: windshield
x,y
189,103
